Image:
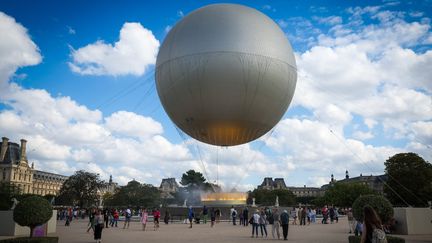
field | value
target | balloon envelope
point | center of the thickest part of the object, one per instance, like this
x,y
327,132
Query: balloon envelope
x,y
226,74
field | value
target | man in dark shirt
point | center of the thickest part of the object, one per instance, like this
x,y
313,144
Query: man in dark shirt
x,y
284,221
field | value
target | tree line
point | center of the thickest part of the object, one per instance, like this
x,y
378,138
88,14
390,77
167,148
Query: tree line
x,y
408,183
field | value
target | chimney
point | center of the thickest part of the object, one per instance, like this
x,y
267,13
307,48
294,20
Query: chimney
x,y
4,147
23,150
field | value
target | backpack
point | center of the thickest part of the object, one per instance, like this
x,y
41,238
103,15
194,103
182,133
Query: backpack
x,y
378,236
270,219
234,213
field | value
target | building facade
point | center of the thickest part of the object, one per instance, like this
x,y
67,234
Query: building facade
x,y
376,183
168,187
16,170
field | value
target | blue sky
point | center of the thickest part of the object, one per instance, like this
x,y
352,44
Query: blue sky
x,y
363,90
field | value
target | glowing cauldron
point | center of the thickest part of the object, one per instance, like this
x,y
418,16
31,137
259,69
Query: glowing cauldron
x,y
224,198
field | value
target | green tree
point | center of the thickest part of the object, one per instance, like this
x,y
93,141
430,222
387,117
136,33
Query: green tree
x,y
32,211
195,181
80,189
409,178
135,194
7,192
344,194
381,205
268,197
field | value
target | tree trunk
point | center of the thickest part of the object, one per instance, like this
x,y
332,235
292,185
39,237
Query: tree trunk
x,y
31,231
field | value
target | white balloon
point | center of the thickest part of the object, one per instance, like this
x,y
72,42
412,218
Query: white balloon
x,y
226,74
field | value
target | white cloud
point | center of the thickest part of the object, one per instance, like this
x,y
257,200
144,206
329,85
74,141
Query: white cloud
x,y
16,49
131,124
330,20
363,135
135,51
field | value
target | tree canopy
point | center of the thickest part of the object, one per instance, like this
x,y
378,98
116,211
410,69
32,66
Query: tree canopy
x,y
80,189
32,211
268,197
409,179
195,181
343,194
135,194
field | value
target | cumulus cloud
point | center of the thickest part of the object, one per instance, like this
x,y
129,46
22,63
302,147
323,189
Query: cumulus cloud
x,y
132,54
16,49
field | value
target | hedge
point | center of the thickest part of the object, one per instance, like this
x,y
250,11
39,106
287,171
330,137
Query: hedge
x,y
31,240
381,205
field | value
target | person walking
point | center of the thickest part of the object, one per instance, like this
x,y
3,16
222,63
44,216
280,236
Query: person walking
x,y
263,223
99,224
276,223
156,217
332,214
91,224
372,227
144,218
255,223
284,218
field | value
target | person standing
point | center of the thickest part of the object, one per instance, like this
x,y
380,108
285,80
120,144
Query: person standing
x,y
263,223
351,221
372,227
246,216
212,217
313,215
115,217
144,218
191,216
99,224
285,221
332,214
167,216
128,216
106,217
205,214
294,216
276,223
303,216
255,223
234,215
218,215
336,214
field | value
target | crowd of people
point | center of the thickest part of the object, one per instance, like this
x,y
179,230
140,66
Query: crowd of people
x,y
260,219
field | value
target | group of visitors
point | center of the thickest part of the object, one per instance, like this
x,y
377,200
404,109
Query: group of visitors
x,y
262,217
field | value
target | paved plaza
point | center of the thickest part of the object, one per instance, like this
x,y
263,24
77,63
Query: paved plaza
x,y
222,232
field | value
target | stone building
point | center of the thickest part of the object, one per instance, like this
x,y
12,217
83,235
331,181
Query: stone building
x,y
15,169
305,191
375,182
168,187
269,184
